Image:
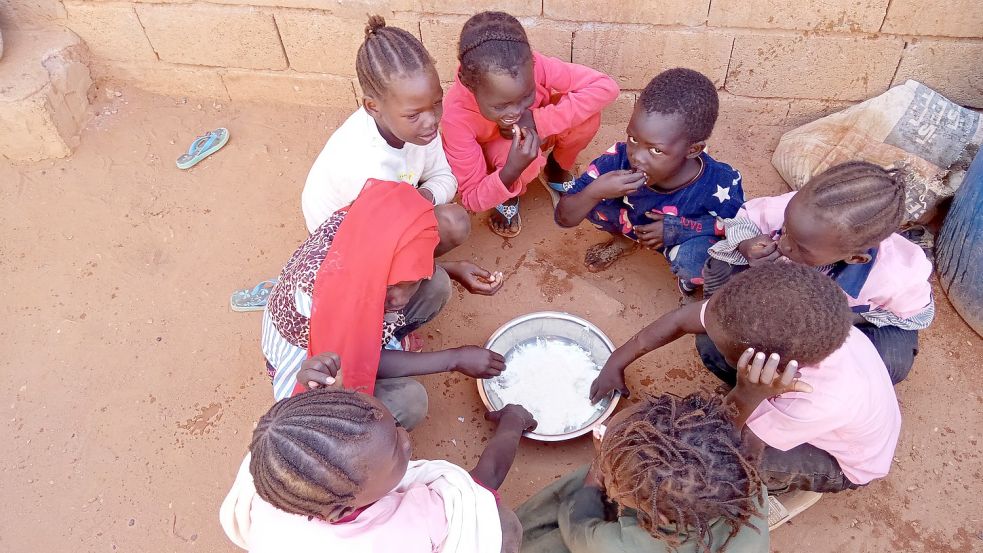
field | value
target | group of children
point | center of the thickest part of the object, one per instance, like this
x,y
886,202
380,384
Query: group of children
x,y
810,313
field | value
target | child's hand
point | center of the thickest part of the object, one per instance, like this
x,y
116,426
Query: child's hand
x,y
760,249
611,379
615,184
524,150
651,235
758,379
318,371
477,362
513,416
474,279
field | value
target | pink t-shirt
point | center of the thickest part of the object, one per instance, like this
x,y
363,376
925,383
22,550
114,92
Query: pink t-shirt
x,y
410,521
852,412
897,281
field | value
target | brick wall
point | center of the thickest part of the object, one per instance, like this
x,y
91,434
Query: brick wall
x,y
777,63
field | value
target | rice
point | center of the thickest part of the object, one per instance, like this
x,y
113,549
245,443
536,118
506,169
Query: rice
x,y
550,377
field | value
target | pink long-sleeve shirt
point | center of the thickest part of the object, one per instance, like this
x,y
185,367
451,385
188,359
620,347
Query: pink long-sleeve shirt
x,y
585,92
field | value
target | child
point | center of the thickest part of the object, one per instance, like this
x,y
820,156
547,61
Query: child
x,y
393,136
842,222
507,105
842,435
329,470
660,188
680,479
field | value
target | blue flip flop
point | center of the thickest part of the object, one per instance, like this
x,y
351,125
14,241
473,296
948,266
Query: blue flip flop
x,y
557,189
203,146
252,299
509,212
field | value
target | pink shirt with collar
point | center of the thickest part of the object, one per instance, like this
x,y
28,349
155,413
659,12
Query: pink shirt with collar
x,y
585,93
898,280
852,412
412,521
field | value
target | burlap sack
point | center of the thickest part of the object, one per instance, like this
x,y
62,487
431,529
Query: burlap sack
x,y
911,127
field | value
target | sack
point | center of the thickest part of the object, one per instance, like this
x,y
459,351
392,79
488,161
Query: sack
x,y
911,128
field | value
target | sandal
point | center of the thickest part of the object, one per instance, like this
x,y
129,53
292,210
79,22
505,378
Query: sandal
x,y
782,511
252,299
557,189
510,212
203,146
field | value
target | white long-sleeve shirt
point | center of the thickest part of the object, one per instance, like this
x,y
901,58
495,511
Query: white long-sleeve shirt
x,y
356,152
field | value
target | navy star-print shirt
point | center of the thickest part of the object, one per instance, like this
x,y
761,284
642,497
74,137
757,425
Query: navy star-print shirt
x,y
694,210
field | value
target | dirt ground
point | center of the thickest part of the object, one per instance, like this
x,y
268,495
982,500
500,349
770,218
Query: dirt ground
x,y
130,388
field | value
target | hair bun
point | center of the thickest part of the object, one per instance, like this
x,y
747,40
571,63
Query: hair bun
x,y
375,23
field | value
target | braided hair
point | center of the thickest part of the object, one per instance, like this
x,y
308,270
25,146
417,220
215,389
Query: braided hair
x,y
387,52
301,451
492,41
784,308
686,93
863,201
682,458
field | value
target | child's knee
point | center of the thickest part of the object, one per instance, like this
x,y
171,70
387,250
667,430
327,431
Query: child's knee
x,y
453,224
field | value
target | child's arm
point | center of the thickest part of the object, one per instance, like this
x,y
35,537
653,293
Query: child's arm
x,y
473,361
585,92
437,177
499,453
573,208
481,190
667,328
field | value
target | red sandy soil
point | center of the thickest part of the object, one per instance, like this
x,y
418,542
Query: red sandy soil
x,y
130,389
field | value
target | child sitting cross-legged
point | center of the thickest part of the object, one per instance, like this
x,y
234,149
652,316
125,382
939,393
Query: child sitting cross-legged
x,y
659,188
330,470
843,222
843,434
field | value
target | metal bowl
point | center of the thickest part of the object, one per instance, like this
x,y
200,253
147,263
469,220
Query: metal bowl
x,y
545,324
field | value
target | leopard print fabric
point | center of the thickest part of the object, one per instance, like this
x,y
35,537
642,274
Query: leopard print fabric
x,y
298,277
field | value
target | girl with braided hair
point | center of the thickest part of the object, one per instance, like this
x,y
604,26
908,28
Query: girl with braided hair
x,y
672,474
330,470
507,106
392,137
844,222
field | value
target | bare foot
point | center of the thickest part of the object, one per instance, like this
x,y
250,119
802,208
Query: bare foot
x,y
601,256
501,226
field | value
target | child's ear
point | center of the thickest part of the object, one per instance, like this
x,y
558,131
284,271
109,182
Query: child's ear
x,y
371,105
695,149
858,259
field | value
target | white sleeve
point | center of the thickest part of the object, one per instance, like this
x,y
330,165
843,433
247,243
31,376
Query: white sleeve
x,y
331,185
437,176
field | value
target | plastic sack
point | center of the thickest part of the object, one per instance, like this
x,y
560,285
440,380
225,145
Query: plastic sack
x,y
911,128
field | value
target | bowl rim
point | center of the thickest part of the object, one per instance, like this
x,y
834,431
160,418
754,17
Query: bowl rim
x,y
615,398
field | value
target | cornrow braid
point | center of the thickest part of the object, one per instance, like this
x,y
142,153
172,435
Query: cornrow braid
x,y
865,201
387,52
300,451
683,459
492,41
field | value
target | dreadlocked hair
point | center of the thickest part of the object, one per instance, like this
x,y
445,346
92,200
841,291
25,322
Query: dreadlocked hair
x,y
387,52
784,308
686,93
492,41
683,459
864,201
301,451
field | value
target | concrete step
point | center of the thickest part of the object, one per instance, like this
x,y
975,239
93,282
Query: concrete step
x,y
44,86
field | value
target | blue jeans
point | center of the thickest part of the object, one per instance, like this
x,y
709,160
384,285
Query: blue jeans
x,y
686,260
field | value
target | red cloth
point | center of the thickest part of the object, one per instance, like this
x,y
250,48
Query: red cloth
x,y
388,237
